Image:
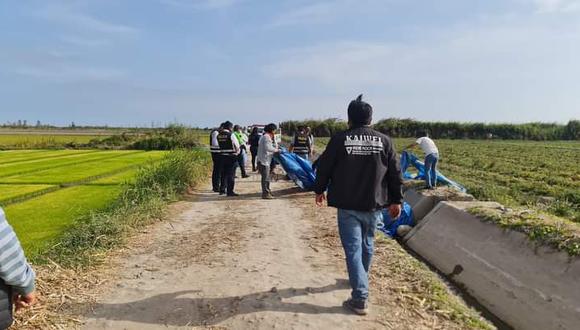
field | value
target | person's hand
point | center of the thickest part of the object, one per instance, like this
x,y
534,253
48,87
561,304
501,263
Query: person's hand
x,y
395,211
320,198
24,301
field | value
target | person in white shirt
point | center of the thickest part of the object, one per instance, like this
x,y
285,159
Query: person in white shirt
x,y
431,158
267,147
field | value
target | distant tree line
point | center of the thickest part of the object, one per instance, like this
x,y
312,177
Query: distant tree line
x,y
396,127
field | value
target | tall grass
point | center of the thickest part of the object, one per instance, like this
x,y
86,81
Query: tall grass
x,y
141,202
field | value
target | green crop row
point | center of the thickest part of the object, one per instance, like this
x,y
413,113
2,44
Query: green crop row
x,y
18,156
85,171
10,193
25,167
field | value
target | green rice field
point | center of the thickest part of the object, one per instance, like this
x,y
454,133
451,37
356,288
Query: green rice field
x,y
43,192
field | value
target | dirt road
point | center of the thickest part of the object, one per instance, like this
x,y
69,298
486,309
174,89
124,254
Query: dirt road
x,y
247,263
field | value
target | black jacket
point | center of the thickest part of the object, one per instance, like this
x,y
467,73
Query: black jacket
x,y
361,171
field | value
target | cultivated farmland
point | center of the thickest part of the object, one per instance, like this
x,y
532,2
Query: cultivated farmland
x,y
43,192
537,175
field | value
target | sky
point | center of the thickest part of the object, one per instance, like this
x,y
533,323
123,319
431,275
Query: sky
x,y
201,62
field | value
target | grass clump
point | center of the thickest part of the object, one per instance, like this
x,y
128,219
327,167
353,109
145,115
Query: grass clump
x,y
140,202
560,234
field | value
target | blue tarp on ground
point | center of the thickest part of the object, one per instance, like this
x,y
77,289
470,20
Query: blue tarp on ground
x,y
389,225
409,159
298,169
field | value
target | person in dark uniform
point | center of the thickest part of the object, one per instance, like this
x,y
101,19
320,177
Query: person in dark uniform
x,y
254,140
229,149
301,144
215,152
361,172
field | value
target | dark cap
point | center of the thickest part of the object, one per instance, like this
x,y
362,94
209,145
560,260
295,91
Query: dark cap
x,y
360,113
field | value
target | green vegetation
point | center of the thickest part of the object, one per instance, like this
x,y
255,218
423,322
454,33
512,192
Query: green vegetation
x,y
449,130
43,141
551,231
542,176
56,199
139,203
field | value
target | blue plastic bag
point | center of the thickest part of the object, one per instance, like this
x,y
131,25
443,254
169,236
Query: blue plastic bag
x,y
408,159
298,169
389,225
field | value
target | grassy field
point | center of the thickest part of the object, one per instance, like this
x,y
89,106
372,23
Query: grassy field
x,y
22,141
538,175
43,192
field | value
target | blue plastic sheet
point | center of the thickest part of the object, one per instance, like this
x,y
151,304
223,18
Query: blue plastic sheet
x,y
389,225
298,169
409,159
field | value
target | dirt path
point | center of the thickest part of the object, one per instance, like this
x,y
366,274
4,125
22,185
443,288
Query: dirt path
x,y
230,262
248,263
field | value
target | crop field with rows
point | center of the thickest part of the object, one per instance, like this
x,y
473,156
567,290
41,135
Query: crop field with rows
x,y
536,175
43,192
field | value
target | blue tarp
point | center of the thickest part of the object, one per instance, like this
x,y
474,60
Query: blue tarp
x,y
298,169
409,159
389,225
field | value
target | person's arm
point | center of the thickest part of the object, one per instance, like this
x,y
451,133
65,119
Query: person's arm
x,y
14,269
236,144
326,163
270,144
394,181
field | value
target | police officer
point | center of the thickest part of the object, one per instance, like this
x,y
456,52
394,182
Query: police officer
x,y
301,145
215,152
229,148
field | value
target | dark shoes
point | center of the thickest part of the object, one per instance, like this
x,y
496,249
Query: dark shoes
x,y
356,306
233,194
216,190
267,196
222,192
245,176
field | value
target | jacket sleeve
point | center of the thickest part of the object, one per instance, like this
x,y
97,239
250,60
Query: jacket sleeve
x,y
326,164
394,177
14,269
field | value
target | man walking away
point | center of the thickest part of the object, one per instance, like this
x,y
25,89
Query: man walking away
x,y
229,150
360,169
16,275
214,148
266,149
431,158
242,141
254,141
301,144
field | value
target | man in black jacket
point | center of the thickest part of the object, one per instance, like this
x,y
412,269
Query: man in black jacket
x,y
360,170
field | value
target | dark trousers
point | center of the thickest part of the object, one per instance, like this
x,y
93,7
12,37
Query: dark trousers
x,y
215,173
254,152
242,162
227,172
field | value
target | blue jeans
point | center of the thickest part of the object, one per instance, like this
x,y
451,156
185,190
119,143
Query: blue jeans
x,y
431,170
357,233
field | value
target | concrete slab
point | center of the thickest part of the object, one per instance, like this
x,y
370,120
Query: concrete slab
x,y
527,286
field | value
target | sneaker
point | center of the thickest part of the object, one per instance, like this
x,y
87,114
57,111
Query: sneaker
x,y
356,306
222,192
245,176
267,196
233,194
216,190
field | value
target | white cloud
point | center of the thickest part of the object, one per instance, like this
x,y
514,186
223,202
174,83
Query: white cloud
x,y
201,4
554,6
68,16
67,73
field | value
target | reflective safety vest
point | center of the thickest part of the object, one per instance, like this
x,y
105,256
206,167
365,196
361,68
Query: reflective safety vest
x,y
301,144
213,148
226,146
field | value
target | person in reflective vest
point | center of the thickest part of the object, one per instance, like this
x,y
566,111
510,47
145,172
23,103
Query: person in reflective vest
x,y
215,151
229,149
301,144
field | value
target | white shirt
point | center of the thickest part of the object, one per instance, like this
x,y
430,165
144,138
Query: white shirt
x,y
214,142
427,145
266,149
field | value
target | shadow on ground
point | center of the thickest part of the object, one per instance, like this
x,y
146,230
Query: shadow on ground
x,y
184,308
204,196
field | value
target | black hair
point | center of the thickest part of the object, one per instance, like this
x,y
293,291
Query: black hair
x,y
236,127
360,113
270,128
228,125
255,130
